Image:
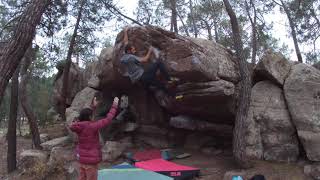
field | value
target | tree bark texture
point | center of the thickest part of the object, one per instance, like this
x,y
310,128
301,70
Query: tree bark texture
x,y
12,52
195,29
239,136
26,106
12,124
253,22
293,31
216,33
67,66
183,25
174,15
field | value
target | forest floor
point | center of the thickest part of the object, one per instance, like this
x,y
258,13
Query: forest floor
x,y
213,167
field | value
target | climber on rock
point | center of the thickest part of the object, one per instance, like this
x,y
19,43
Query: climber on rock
x,y
148,76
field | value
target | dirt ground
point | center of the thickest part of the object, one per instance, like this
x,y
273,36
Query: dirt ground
x,y
212,167
22,144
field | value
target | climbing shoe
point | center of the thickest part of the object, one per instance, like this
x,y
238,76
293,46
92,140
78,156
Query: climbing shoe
x,y
179,97
173,80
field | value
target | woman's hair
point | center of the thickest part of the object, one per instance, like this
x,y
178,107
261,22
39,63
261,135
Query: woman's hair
x,y
128,47
85,114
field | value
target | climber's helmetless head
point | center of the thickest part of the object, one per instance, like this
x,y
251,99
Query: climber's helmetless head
x,y
130,49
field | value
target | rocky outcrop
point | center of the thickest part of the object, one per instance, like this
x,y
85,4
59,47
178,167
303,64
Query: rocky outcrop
x,y
61,156
312,170
34,162
302,92
76,83
189,123
207,73
62,141
112,150
95,68
274,67
271,134
82,100
317,65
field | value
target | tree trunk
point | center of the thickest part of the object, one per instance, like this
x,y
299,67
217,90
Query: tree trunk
x,y
216,34
174,15
293,31
12,124
208,29
19,124
195,29
184,25
239,136
254,30
13,51
66,70
28,58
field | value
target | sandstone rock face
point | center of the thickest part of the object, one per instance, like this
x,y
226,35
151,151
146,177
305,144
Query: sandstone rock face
x,y
62,141
112,150
271,134
317,65
76,83
44,138
61,155
82,100
152,136
34,161
189,123
274,67
207,73
95,68
312,170
302,92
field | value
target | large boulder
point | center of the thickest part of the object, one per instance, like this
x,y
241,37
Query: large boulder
x,y
152,136
302,92
271,134
61,156
207,72
112,150
95,68
190,123
317,65
274,67
82,100
76,83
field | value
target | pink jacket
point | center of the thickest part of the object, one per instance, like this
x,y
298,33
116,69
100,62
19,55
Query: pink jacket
x,y
89,148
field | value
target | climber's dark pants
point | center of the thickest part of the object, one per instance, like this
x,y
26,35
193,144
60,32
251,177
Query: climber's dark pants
x,y
149,77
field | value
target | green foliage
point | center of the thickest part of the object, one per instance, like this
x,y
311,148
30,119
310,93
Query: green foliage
x,y
39,90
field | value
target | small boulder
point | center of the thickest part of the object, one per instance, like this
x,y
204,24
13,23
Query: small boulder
x,y
34,162
312,170
112,150
62,141
44,138
61,155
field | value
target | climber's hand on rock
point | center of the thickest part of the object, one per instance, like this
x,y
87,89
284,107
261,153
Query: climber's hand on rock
x,y
95,102
116,101
126,28
151,48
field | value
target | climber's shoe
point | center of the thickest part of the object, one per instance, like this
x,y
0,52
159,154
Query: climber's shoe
x,y
179,97
173,80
